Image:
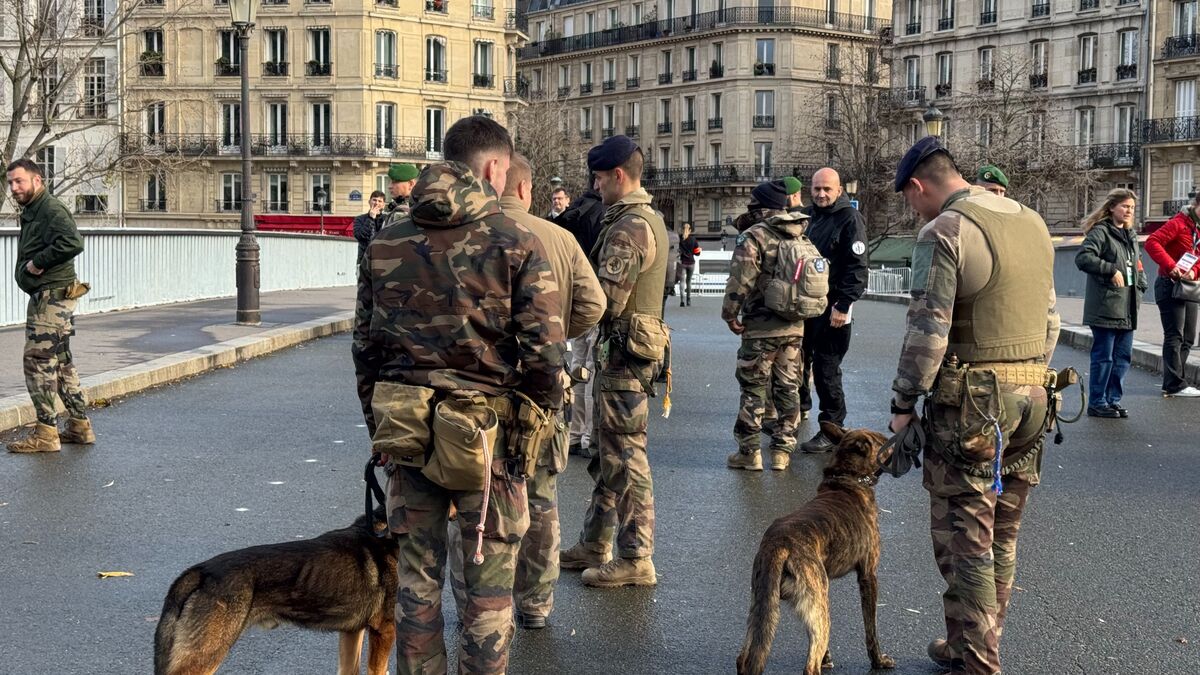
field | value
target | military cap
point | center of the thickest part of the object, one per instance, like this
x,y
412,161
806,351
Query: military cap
x,y
792,184
919,152
990,174
771,195
610,154
402,172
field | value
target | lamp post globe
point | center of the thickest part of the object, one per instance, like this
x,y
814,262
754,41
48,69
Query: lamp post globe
x,y
243,12
934,120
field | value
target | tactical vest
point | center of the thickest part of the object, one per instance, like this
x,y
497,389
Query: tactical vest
x,y
1006,319
647,295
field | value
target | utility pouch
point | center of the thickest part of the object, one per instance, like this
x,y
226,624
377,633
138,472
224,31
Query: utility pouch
x,y
528,435
554,457
647,338
77,289
978,413
401,414
947,390
464,439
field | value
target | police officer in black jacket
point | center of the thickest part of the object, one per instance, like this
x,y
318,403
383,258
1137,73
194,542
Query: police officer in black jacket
x,y
838,231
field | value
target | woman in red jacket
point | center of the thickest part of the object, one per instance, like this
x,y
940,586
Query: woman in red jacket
x,y
1166,246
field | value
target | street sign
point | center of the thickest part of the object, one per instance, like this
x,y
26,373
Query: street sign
x,y
355,196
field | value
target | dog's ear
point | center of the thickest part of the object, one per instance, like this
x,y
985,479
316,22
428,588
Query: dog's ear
x,y
833,432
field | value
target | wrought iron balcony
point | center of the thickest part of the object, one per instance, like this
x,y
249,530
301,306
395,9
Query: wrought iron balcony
x,y
781,17
687,127
388,3
485,81
564,92
717,174
483,11
318,207
764,69
832,73
227,69
1040,8
388,70
1173,206
282,3
912,28
159,205
607,132
1038,80
985,85
664,78
945,23
631,130
714,227
664,127
1087,76
434,75
987,18
764,121
910,96
715,71
293,145
276,206
942,89
1122,3
1181,45
514,20
633,82
585,134
688,75
1085,5
715,123
1127,71
585,88
516,87
439,6
1168,129
1114,155
318,69
152,67
228,205
608,85
275,69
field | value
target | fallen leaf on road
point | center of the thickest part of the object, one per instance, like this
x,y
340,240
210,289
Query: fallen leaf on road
x,y
3,503
101,403
885,510
573,632
1180,640
109,575
914,611
110,483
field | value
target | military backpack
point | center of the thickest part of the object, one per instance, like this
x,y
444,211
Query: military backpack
x,y
799,284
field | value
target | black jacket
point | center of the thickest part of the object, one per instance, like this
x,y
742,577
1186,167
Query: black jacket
x,y
366,227
50,240
1106,249
840,234
584,219
687,251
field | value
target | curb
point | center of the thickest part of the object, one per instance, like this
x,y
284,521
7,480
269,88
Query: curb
x,y
17,411
1146,355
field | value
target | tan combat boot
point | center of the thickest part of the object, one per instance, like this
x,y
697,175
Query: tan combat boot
x,y
78,432
621,572
939,652
780,460
579,557
43,439
740,460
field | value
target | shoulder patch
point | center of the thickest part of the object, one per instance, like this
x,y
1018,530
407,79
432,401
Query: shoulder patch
x,y
614,265
858,247
741,238
922,260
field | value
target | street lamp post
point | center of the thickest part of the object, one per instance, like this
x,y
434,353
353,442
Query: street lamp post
x,y
243,14
321,197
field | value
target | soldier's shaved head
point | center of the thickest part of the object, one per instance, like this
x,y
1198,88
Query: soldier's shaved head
x,y
482,144
934,179
519,172
826,187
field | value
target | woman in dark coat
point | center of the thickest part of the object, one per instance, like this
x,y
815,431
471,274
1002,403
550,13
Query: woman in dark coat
x,y
1115,284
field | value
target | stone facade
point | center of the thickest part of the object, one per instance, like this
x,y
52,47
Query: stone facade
x,y
1171,131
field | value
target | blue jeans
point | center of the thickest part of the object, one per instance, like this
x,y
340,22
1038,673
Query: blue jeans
x,y
1112,351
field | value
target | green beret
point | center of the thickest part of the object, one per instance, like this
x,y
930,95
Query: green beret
x,y
792,184
402,172
990,174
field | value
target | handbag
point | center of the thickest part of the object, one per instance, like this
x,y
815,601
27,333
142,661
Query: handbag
x,y
1186,290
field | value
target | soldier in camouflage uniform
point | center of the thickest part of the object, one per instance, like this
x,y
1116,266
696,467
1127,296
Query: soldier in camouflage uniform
x,y
982,327
46,249
631,264
768,362
459,298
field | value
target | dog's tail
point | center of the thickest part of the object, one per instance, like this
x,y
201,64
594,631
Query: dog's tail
x,y
765,588
168,620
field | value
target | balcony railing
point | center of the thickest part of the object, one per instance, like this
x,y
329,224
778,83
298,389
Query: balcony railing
x,y
228,205
987,18
633,82
1087,76
516,87
152,67
832,73
632,130
514,20
388,70
688,75
719,174
433,75
318,207
912,28
294,145
1088,4
714,226
985,85
227,69
439,6
486,81
275,69
158,205
483,11
585,88
942,89
608,85
945,23
1038,80
1168,129
1122,3
715,123
389,3
1114,155
283,3
687,127
276,206
607,132
1181,45
664,78
781,17
318,69
716,71
833,123
764,69
1040,8
1127,71
585,134
664,127
564,92
764,121
910,96
1173,206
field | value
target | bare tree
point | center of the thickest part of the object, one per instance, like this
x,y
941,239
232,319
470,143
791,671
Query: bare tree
x,y
546,131
59,65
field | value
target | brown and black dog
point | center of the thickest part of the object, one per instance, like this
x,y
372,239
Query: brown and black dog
x,y
834,534
343,580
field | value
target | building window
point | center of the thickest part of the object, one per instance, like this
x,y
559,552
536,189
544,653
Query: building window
x,y
95,89
1087,59
636,13
156,193
1039,63
322,193
47,158
689,110
231,192
319,63
987,12
986,74
1185,98
665,68
832,121
945,78
664,113
435,59
156,122
914,18
585,76
484,75
612,17
1185,18
764,109
1037,130
833,69
764,57
609,121
664,158
385,127
435,131
635,119
277,192
1123,116
912,72
689,156
230,60
277,128
277,59
718,54
1085,126
714,107
714,156
585,120
985,132
91,204
231,125
564,77
762,159
1127,46
321,124
1181,180
385,54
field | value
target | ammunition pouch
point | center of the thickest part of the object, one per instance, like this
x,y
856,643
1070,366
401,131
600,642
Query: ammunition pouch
x,y
465,431
402,421
528,434
554,453
646,341
646,337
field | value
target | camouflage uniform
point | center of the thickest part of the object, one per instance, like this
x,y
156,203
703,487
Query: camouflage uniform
x,y
631,265
50,240
974,530
768,361
453,298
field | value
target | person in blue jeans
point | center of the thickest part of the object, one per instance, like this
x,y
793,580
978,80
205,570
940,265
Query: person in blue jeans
x,y
1111,258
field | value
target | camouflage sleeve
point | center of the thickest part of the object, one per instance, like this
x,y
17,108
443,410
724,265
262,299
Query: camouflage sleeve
x,y
629,244
935,262
587,298
536,302
744,269
363,350
1052,325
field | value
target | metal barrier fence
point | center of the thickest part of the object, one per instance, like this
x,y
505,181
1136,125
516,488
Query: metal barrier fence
x,y
139,267
894,280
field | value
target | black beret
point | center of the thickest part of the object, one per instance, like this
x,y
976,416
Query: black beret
x,y
610,154
771,195
919,152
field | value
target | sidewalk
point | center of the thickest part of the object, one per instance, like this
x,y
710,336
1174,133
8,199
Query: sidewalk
x,y
1147,340
119,353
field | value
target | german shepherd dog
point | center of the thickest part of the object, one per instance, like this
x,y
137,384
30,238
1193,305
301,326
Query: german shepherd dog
x,y
343,580
835,533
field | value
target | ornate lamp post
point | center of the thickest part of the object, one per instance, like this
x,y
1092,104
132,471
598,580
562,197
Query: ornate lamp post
x,y
321,197
934,120
243,14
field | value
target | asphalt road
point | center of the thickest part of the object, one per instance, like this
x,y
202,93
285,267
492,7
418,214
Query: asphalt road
x,y
272,450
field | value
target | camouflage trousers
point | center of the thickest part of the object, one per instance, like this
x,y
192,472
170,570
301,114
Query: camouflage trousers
x,y
768,370
418,512
623,499
583,355
974,530
49,368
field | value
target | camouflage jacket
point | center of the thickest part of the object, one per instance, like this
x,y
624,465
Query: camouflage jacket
x,y
627,253
456,297
957,262
752,265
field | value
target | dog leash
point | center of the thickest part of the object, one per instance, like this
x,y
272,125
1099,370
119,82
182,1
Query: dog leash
x,y
373,489
906,449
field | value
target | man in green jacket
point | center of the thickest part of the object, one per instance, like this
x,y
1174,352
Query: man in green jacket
x,y
45,270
